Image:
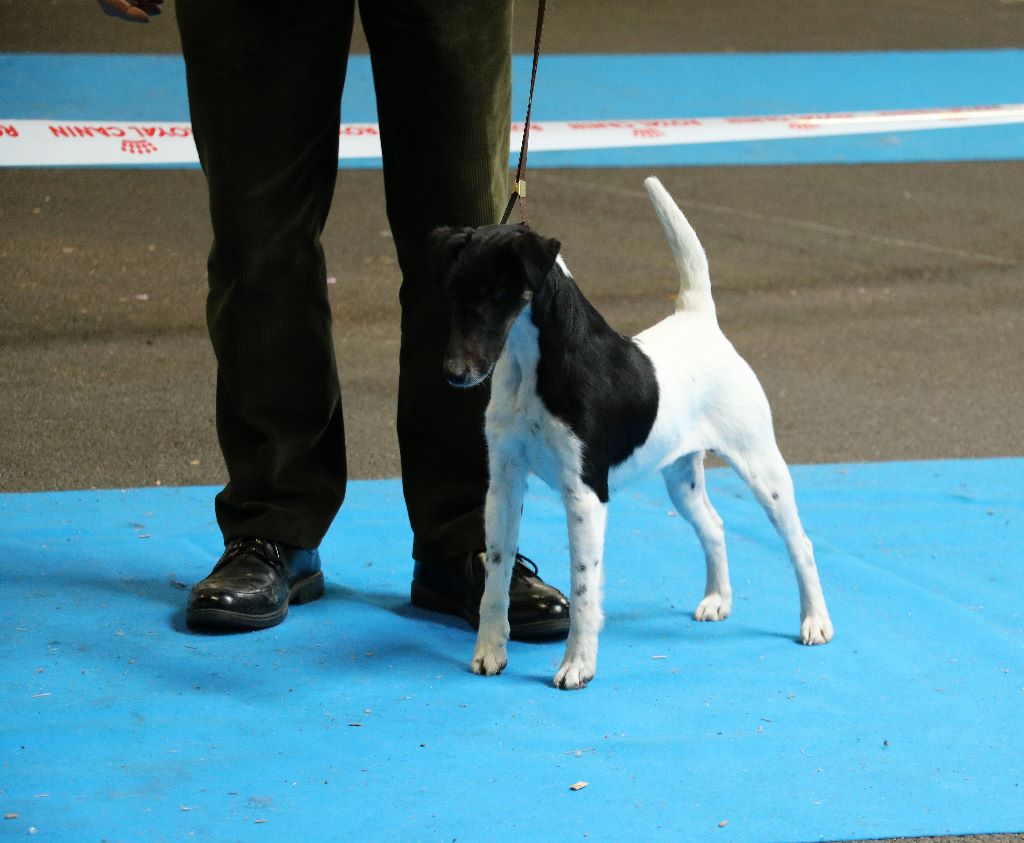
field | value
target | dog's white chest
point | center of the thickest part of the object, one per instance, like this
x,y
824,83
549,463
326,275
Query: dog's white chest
x,y
519,426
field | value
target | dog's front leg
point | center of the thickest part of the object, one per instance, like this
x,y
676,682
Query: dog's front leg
x,y
502,513
586,516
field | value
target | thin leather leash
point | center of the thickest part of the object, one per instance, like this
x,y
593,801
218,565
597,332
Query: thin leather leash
x,y
519,189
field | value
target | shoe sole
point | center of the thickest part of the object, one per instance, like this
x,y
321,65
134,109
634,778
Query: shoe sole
x,y
302,591
432,601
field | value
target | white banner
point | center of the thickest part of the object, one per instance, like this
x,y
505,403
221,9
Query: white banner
x,y
56,143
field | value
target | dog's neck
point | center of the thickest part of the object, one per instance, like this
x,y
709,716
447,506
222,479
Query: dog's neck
x,y
567,323
556,334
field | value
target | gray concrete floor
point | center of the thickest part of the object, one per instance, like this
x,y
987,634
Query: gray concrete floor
x,y
880,305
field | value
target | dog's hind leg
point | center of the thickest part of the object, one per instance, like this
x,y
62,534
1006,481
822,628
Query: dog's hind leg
x,y
684,480
586,516
502,515
767,475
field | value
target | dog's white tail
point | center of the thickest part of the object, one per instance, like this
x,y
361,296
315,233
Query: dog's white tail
x,y
694,278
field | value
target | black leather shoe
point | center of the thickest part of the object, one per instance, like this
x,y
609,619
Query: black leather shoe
x,y
455,586
252,584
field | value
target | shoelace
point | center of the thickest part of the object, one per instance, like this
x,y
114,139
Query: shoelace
x,y
523,570
266,550
519,570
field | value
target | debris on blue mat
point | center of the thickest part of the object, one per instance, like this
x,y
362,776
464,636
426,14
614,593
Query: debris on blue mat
x,y
358,718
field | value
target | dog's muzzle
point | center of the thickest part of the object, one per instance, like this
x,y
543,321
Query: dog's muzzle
x,y
464,377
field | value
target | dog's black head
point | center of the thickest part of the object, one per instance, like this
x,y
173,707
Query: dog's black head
x,y
489,274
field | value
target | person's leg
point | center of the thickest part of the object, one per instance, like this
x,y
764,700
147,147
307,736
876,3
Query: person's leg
x,y
264,84
442,71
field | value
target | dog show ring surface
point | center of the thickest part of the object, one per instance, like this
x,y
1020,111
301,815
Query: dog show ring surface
x,y
358,718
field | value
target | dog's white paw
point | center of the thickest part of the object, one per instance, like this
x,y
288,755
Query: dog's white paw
x,y
714,607
488,661
816,630
575,674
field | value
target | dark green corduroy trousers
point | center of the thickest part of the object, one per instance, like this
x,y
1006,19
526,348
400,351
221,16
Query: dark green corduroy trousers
x,y
264,84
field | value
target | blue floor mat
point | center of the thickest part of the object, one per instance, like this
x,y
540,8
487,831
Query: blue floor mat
x,y
358,719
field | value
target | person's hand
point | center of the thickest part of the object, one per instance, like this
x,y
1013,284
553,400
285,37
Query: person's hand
x,y
136,11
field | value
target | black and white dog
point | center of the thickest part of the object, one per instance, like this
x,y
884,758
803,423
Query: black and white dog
x,y
587,409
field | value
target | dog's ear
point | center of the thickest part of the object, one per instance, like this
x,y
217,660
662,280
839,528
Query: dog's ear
x,y
536,255
443,247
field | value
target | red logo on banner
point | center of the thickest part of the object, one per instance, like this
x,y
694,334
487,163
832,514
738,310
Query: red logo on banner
x,y
648,132
138,147
357,131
